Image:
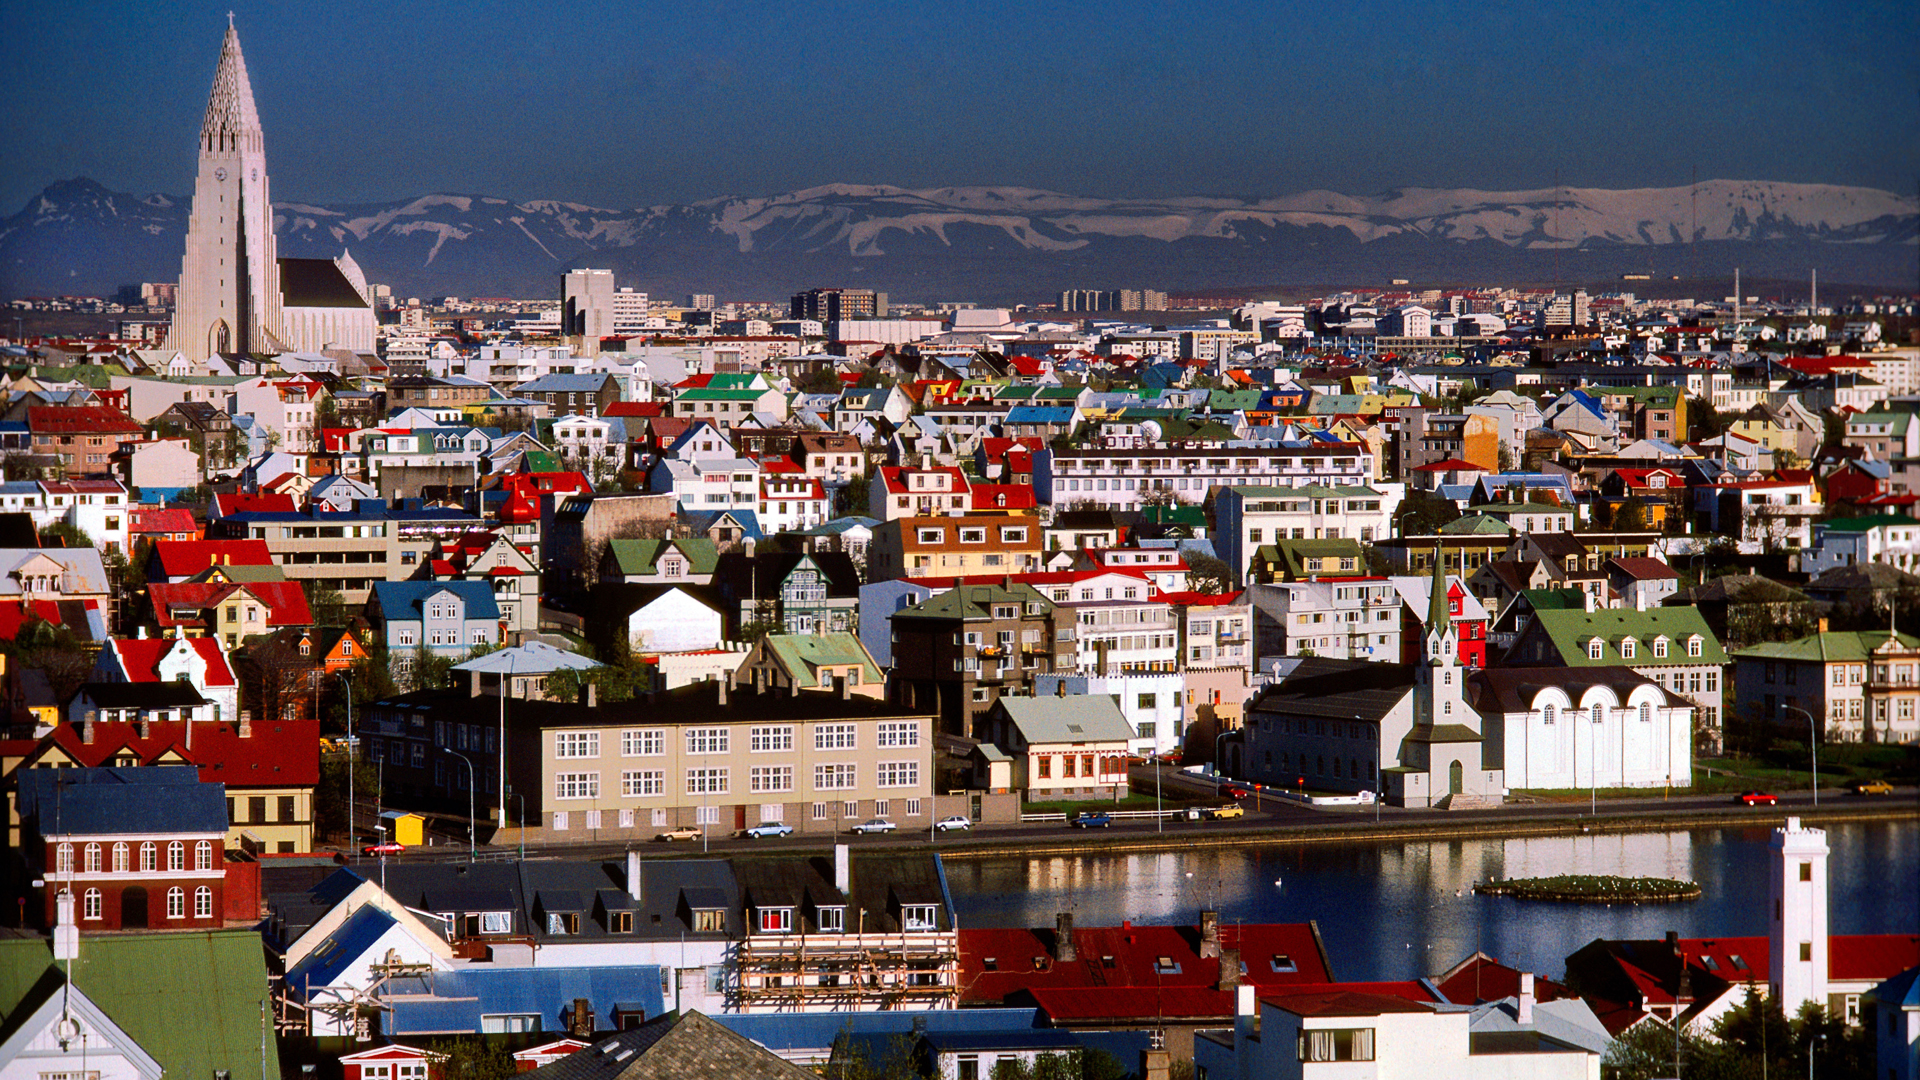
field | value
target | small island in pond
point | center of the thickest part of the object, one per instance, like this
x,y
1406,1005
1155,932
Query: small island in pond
x,y
1594,889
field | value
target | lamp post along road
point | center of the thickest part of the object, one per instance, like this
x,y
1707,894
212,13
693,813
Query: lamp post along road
x,y
471,830
1813,748
352,745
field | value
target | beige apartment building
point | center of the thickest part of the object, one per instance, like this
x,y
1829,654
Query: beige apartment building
x,y
713,756
974,545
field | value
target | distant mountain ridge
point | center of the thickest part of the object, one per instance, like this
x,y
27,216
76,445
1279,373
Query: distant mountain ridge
x,y
1004,244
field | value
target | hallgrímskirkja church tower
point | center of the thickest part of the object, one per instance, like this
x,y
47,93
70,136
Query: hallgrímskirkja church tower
x,y
229,299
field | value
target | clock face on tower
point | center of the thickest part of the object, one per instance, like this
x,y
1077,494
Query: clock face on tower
x,y
219,174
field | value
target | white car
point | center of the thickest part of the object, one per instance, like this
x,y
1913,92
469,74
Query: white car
x,y
873,825
769,828
957,821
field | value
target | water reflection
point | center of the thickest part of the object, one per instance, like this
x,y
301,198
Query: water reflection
x,y
1402,911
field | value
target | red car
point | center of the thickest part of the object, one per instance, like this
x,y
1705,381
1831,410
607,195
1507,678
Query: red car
x,y
1758,798
1236,791
387,848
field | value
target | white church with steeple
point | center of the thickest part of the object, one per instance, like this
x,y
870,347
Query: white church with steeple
x,y
236,294
1443,758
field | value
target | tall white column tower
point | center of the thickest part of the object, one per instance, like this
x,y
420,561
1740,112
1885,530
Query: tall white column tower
x,y
1797,932
229,299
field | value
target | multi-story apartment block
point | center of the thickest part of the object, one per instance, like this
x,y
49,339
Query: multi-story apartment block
x,y
1130,480
1345,618
982,544
835,305
434,395
1250,517
1893,539
829,456
1133,632
1858,686
961,650
790,502
351,551
711,755
79,440
1761,514
579,395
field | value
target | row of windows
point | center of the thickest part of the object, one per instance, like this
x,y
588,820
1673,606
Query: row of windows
x,y
122,857
1596,647
761,779
90,903
775,738
1597,714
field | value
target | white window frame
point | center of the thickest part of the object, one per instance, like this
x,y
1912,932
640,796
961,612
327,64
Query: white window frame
x,y
576,744
580,785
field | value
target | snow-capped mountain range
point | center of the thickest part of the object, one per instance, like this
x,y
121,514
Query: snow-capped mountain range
x,y
1003,244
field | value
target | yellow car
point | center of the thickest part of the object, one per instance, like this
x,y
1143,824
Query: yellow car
x,y
1231,810
1872,787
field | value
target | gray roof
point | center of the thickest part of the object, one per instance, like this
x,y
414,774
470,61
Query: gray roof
x,y
533,658
85,573
687,1046
1088,718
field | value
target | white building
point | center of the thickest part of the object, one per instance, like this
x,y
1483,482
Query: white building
x,y
1248,517
1584,728
1345,618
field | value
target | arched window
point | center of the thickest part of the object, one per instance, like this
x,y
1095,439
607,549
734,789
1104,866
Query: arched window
x,y
149,857
91,863
176,903
1646,713
120,858
203,855
203,902
1598,715
176,856
90,904
63,859
1546,714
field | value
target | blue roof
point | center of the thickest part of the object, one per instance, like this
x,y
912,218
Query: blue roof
x,y
460,998
1902,991
150,799
783,1032
403,599
341,951
1038,414
1030,1039
702,520
567,383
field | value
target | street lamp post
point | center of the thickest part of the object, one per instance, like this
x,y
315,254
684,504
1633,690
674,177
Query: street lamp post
x,y
1813,747
471,831
352,745
510,793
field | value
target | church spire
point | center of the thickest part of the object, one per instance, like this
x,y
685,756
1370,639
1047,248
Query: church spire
x,y
231,115
1439,612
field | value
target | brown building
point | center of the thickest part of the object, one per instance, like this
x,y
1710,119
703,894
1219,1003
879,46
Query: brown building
x,y
958,652
424,392
80,438
917,547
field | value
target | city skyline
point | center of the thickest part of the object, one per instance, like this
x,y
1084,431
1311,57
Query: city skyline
x,y
593,105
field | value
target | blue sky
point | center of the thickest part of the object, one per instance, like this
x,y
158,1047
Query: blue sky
x,y
624,104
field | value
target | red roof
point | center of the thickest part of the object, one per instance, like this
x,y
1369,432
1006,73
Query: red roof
x,y
79,420
635,408
185,558
286,601
141,656
277,754
16,614
238,502
1199,599
1003,497
1275,956
1451,465
172,519
1481,978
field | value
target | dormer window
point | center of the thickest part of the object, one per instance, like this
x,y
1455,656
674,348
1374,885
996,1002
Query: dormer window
x,y
1627,648
919,917
709,920
776,920
1595,648
1693,645
1660,648
1166,965
833,920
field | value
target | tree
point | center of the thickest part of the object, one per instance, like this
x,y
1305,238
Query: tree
x,y
1631,517
328,606
65,534
431,671
274,676
471,1059
851,1059
1207,574
62,658
854,495
330,797
1425,512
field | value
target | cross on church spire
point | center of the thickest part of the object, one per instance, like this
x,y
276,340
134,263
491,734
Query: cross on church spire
x,y
229,20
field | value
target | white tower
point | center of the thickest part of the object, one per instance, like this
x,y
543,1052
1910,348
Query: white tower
x,y
229,299
1440,685
1797,969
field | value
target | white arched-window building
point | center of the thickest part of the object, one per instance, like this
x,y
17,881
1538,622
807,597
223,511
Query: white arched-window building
x,y
1557,728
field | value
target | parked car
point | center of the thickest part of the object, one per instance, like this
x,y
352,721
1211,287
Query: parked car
x,y
684,832
1091,819
1231,810
957,821
1872,787
385,847
1235,791
768,828
1758,798
873,825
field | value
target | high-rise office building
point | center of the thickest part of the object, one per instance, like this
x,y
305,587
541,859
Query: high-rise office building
x,y
838,305
586,306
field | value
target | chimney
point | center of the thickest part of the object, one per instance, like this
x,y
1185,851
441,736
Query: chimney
x,y
593,694
1209,934
1590,601
246,724
1639,599
633,875
842,868
1823,624
1523,1013
66,935
580,1019
724,685
145,726
86,725
841,687
1063,948
1156,1062
1246,1023
1229,968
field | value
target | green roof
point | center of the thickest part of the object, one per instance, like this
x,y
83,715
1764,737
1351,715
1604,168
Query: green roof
x,y
192,999
802,655
1555,599
1476,523
972,602
1834,646
643,556
715,393
1571,632
1862,524
1444,733
1184,514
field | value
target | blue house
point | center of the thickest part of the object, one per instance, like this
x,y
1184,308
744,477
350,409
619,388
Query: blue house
x,y
445,618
